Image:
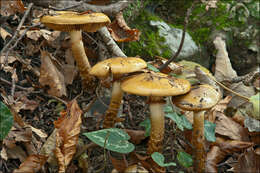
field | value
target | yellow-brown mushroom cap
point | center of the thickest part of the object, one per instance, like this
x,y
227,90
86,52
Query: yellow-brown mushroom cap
x,y
117,66
199,98
69,21
155,84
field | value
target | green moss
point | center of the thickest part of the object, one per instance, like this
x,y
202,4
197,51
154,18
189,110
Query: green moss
x,y
202,22
149,44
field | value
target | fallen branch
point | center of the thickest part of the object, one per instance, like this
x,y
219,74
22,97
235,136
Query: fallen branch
x,y
110,10
113,47
17,31
17,86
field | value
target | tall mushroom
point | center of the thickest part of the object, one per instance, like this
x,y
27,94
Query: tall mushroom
x,y
117,67
199,99
75,23
156,86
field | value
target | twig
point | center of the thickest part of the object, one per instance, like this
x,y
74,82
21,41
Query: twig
x,y
66,8
113,47
17,41
186,21
110,10
223,86
13,83
17,86
17,29
247,79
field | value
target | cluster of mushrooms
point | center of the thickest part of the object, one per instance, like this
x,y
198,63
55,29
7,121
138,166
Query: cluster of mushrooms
x,y
128,75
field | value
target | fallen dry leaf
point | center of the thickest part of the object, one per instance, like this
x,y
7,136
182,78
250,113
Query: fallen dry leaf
x,y
32,164
148,163
248,162
231,146
214,156
219,108
19,134
171,68
11,7
4,33
10,59
225,126
3,154
16,152
83,162
255,137
48,147
36,33
51,76
68,129
31,49
136,136
121,32
119,165
22,102
39,132
222,148
225,72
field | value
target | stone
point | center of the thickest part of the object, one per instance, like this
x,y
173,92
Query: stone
x,y
172,37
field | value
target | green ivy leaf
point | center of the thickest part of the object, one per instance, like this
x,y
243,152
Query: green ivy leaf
x,y
167,109
184,159
112,139
159,159
209,131
255,100
180,120
147,125
152,68
6,120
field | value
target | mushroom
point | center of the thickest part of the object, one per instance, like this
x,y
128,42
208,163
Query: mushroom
x,y
117,67
199,99
156,86
75,23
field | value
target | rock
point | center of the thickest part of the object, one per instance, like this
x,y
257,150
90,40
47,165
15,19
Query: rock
x,y
172,37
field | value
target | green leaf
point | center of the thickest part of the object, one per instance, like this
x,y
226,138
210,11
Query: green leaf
x,y
167,109
180,120
147,125
112,139
6,120
152,68
184,159
159,159
209,131
255,101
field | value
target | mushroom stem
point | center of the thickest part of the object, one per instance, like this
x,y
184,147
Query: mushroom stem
x,y
157,125
80,57
198,141
115,102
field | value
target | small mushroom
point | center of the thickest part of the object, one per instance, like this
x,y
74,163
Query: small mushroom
x,y
198,100
75,23
156,86
117,67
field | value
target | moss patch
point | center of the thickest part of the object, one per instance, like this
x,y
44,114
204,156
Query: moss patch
x,y
149,44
